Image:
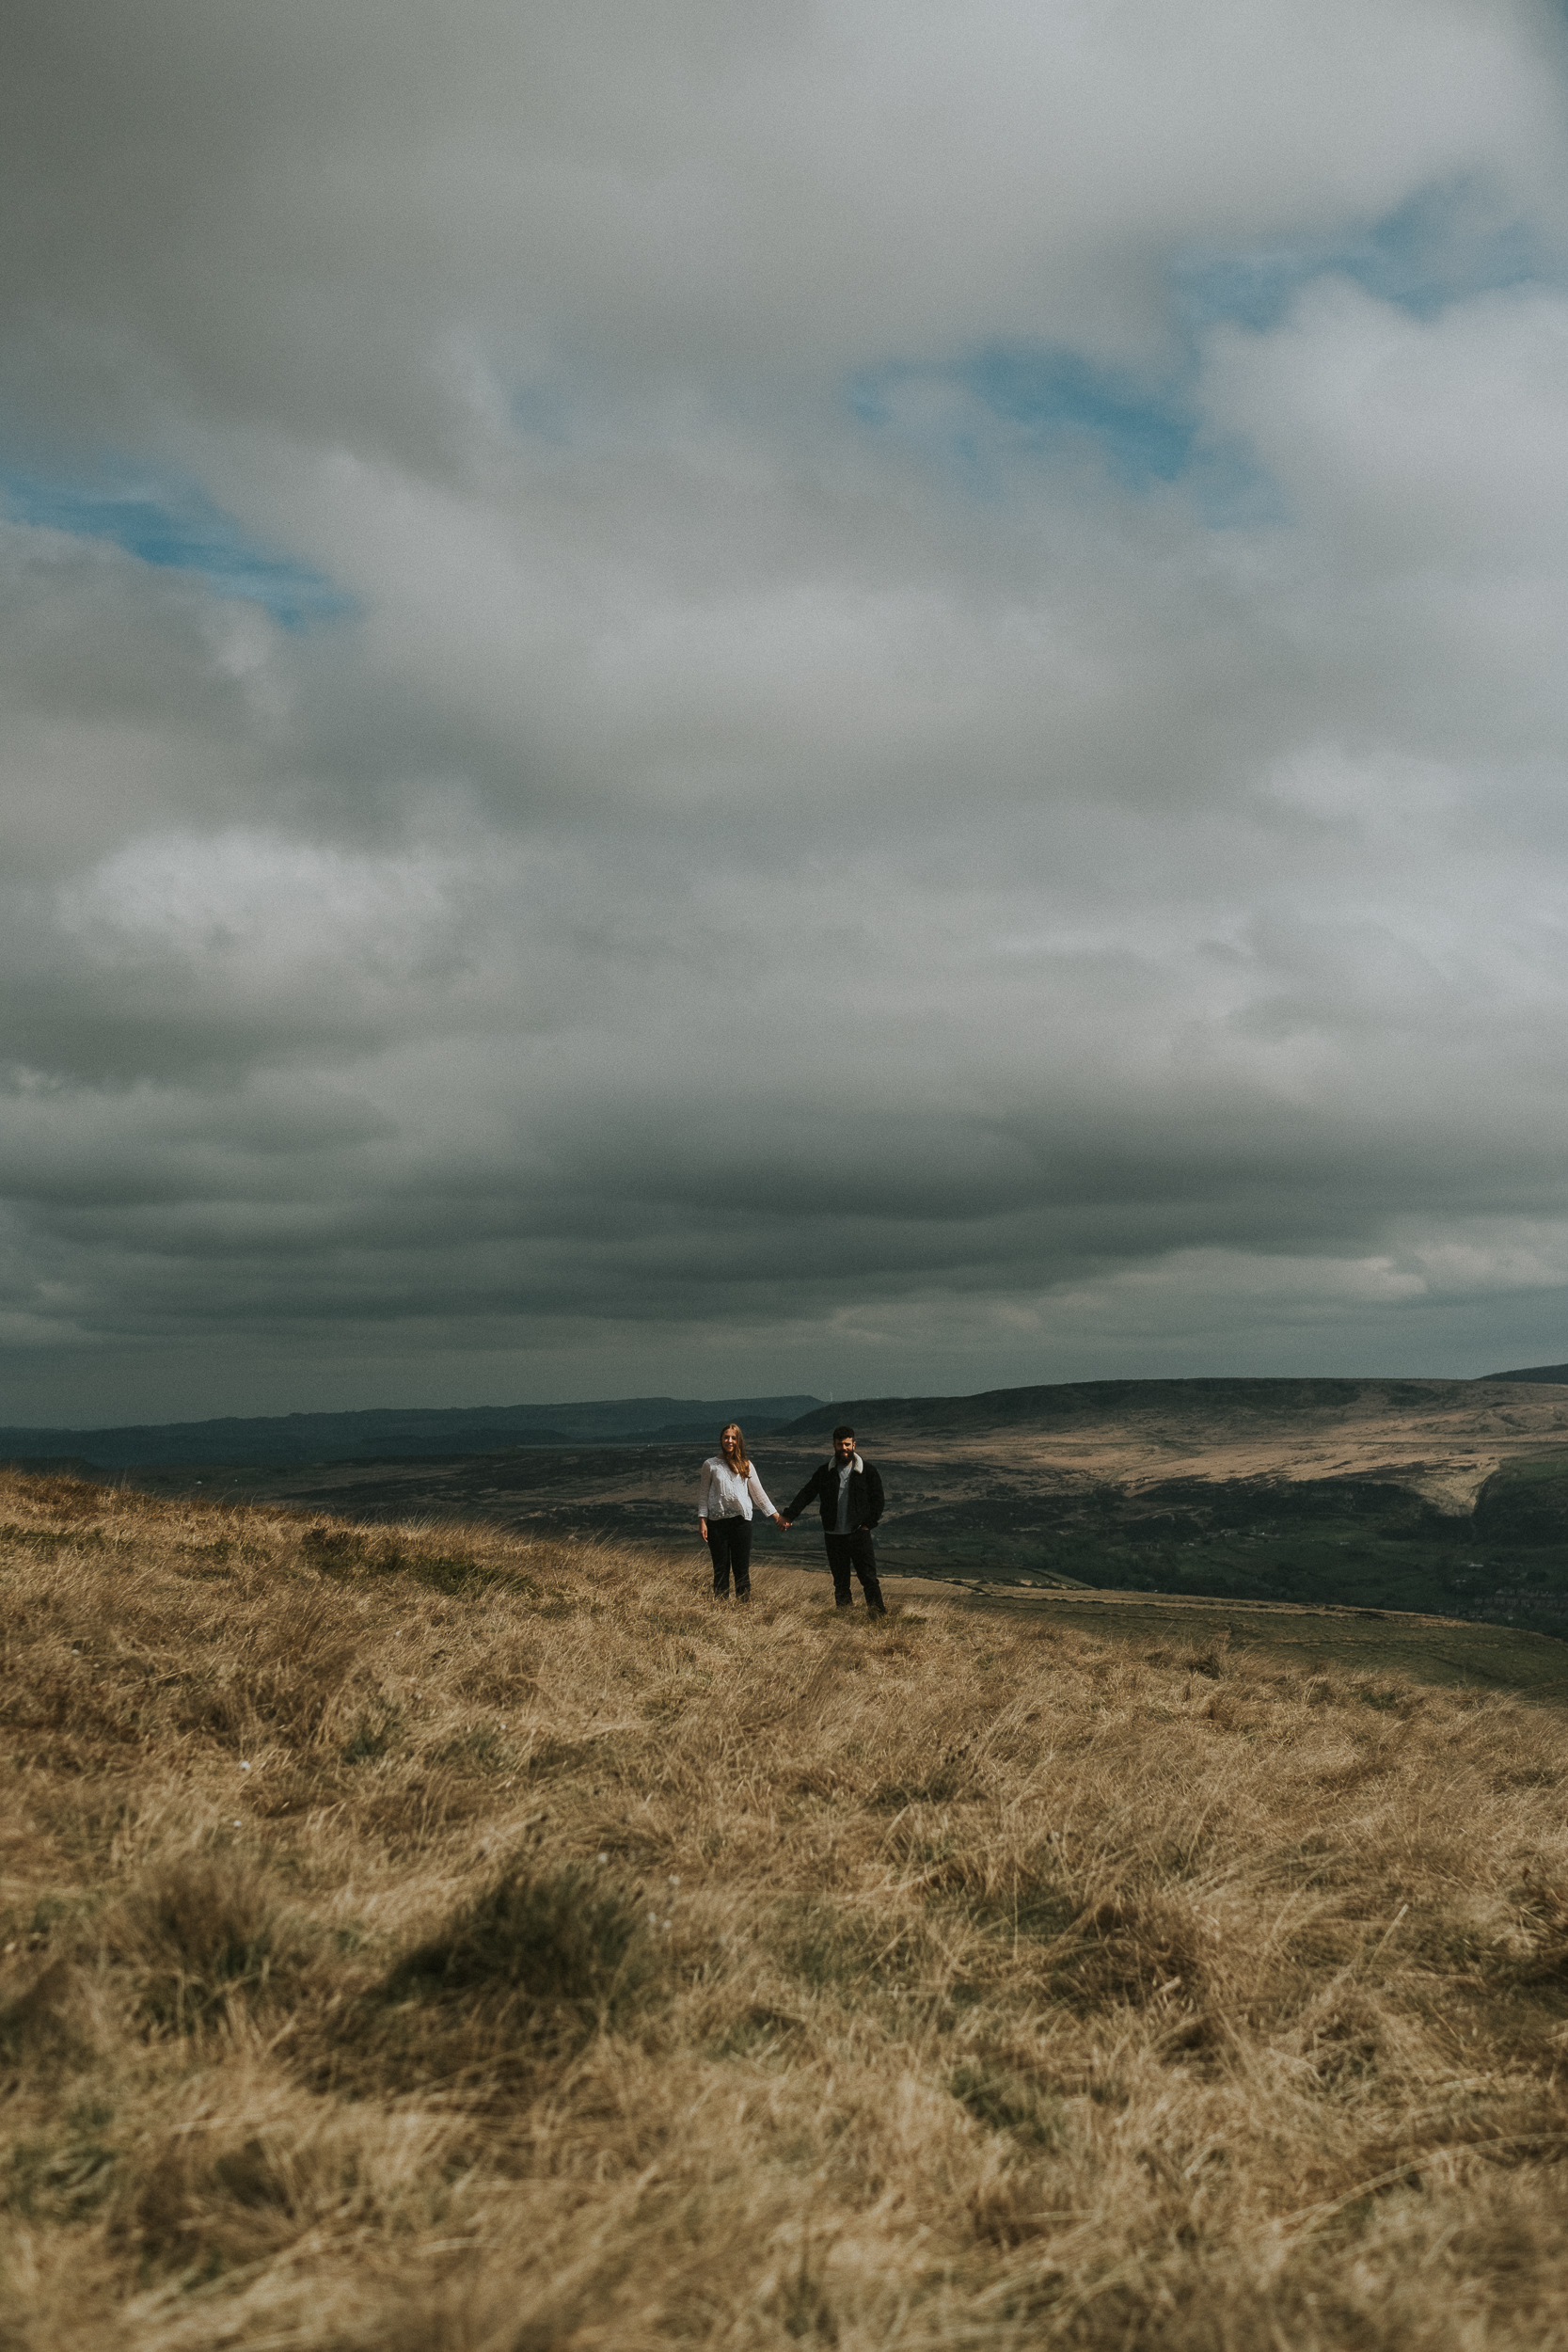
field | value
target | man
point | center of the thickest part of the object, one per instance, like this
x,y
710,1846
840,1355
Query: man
x,y
848,1494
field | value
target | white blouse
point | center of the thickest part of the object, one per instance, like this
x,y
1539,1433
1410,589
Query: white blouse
x,y
722,1495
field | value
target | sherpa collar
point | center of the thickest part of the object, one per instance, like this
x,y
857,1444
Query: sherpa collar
x,y
855,1463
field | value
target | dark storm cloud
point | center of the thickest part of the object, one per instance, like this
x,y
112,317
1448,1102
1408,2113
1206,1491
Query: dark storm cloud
x,y
852,700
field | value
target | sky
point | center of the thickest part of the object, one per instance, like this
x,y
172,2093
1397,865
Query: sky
x,y
857,699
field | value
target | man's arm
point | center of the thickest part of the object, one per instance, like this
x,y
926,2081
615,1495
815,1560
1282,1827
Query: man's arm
x,y
875,1504
808,1493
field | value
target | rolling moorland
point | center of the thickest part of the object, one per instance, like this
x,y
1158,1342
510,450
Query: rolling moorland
x,y
1440,1496
388,1434
443,1939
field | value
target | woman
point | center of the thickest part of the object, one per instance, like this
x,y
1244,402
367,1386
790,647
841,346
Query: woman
x,y
727,1490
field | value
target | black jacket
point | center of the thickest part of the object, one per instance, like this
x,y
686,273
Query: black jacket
x,y
821,1487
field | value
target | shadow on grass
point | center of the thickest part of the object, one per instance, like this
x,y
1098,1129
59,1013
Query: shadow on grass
x,y
528,1972
344,1552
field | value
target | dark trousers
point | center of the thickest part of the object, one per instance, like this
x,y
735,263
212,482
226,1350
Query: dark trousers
x,y
855,1552
729,1543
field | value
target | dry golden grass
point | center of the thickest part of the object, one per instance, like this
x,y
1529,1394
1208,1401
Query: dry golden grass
x,y
424,1941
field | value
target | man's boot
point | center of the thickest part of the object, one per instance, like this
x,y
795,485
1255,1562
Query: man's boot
x,y
874,1600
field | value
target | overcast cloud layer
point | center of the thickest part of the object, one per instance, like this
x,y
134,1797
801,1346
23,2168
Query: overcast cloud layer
x,y
849,697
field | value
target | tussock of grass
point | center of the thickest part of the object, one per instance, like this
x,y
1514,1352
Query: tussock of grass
x,y
427,1942
565,1944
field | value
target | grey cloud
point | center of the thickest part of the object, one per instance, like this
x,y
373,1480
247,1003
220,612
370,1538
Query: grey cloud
x,y
755,892
254,197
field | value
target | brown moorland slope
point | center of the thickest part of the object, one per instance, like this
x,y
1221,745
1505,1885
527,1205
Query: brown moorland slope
x,y
432,1941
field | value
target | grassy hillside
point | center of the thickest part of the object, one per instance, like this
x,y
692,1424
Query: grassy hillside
x,y
435,1942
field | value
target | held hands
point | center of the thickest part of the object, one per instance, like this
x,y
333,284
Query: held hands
x,y
783,1525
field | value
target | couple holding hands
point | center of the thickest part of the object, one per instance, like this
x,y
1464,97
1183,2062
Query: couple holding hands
x,y
846,1491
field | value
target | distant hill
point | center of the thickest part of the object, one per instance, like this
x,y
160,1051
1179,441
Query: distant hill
x,y
400,1435
1237,1405
1063,1403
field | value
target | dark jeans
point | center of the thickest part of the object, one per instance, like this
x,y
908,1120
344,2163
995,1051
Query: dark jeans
x,y
729,1542
855,1552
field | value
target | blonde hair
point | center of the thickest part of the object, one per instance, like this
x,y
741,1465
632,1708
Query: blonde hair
x,y
742,1459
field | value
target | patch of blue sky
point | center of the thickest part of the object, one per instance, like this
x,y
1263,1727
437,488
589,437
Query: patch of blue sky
x,y
1046,399
979,415
1145,432
1445,244
175,527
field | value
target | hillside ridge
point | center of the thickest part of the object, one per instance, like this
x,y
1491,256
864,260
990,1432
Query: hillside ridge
x,y
393,1433
1064,1401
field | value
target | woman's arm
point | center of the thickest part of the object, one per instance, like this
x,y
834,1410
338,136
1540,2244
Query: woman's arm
x,y
759,1496
704,1487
